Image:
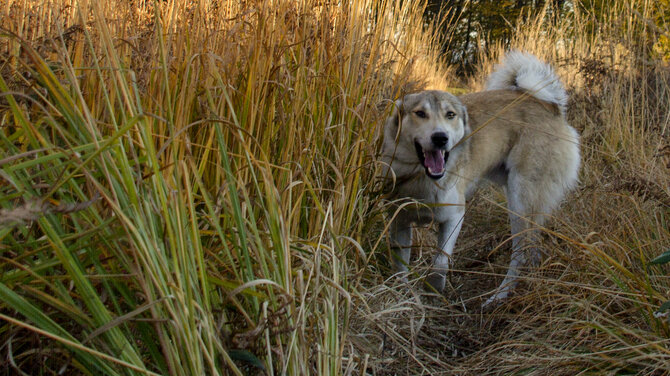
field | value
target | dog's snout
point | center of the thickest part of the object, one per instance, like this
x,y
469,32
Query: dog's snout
x,y
439,139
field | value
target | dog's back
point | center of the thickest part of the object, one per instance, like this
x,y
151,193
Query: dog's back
x,y
519,127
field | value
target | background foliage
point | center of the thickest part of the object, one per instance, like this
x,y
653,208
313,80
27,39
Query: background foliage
x,y
475,27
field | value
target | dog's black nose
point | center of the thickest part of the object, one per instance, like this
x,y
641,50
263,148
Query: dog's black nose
x,y
439,139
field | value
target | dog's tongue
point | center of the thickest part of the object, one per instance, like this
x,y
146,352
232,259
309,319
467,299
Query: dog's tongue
x,y
434,161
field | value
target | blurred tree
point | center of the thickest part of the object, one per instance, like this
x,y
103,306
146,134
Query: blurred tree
x,y
473,26
650,23
662,21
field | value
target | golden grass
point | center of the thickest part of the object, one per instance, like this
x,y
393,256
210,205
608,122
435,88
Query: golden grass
x,y
233,146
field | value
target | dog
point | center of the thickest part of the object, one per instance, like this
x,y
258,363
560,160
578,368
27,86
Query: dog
x,y
439,148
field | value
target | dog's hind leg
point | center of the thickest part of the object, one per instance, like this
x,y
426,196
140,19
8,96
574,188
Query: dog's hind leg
x,y
524,206
400,235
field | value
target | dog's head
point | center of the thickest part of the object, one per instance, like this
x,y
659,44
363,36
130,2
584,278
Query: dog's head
x,y
423,128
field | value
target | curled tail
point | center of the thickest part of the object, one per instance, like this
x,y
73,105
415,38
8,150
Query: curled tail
x,y
523,71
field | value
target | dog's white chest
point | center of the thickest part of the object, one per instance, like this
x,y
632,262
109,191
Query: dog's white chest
x,y
439,201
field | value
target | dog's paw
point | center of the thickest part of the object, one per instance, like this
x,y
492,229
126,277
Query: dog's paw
x,y
495,300
436,281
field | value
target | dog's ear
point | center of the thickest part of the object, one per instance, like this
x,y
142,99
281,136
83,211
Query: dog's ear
x,y
394,120
392,126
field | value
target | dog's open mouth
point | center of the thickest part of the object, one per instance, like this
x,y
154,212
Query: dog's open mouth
x,y
432,160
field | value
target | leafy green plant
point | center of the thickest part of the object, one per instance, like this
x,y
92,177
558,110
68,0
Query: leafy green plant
x,y
664,258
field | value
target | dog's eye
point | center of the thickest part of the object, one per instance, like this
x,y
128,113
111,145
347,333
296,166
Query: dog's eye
x,y
421,114
450,114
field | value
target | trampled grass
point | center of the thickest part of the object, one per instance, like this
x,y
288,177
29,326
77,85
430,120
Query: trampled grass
x,y
189,188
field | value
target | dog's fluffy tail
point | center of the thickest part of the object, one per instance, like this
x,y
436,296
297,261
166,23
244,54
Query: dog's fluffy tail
x,y
523,71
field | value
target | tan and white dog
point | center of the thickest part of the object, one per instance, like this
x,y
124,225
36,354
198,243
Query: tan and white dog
x,y
438,148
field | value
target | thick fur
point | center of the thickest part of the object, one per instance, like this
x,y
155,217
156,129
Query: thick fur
x,y
521,71
514,134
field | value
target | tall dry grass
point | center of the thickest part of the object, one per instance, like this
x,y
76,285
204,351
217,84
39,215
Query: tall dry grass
x,y
228,147
191,191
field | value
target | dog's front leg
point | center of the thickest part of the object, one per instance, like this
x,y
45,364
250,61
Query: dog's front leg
x,y
446,239
400,235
